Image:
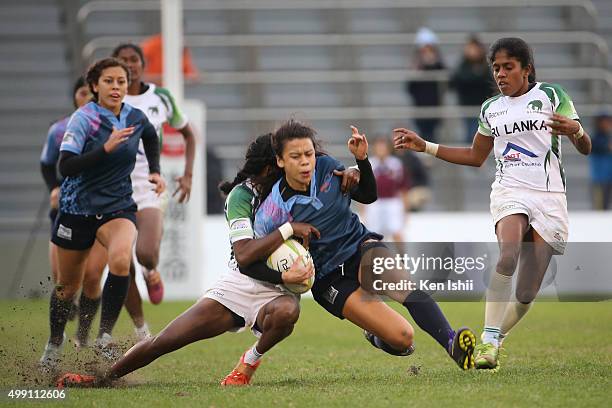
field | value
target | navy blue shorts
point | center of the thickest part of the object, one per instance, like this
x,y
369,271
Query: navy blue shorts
x,y
332,290
78,232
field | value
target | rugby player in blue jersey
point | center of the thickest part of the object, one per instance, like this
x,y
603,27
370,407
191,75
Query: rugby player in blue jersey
x,y
309,192
97,155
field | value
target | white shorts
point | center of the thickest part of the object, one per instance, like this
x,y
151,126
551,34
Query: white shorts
x,y
546,212
244,296
144,196
385,216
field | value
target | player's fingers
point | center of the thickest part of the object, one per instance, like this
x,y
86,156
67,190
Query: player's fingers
x,y
354,129
315,232
306,241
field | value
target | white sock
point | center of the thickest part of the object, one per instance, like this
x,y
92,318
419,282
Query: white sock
x,y
142,332
514,313
498,294
252,356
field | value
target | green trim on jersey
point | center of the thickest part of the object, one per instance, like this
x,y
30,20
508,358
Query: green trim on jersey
x,y
483,128
177,120
560,100
240,208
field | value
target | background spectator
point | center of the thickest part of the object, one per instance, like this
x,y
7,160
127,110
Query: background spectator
x,y
473,82
426,93
601,162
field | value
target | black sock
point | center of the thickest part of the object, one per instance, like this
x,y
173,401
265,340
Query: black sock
x,y
428,316
113,296
87,311
58,316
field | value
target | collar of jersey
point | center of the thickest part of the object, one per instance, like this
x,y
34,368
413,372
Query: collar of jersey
x,y
125,109
298,199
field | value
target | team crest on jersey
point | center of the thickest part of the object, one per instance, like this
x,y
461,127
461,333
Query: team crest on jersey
x,y
534,106
512,153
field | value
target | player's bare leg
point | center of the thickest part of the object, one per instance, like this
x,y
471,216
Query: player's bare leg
x,y
276,321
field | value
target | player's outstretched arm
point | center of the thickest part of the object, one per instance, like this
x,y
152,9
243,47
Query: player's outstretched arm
x,y
474,155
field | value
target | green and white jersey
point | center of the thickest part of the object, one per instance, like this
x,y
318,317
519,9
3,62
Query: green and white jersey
x,y
159,106
526,152
240,207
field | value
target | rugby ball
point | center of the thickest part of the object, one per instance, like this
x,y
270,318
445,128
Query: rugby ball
x,y
282,259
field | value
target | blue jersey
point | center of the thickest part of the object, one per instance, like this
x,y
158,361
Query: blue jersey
x,y
326,208
50,153
107,187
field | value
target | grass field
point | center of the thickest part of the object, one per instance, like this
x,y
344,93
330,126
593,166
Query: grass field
x,y
560,355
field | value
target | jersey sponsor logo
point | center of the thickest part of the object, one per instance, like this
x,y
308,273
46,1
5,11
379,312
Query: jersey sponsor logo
x,y
513,152
64,232
68,137
240,224
326,183
520,127
492,115
535,106
153,110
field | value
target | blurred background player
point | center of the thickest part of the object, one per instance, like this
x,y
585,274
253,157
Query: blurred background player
x,y
386,214
601,162
427,57
97,156
160,107
528,202
243,296
472,80
153,54
48,167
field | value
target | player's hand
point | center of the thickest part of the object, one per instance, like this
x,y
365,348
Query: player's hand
x,y
350,178
358,144
299,271
54,198
407,139
304,231
184,186
117,138
160,184
561,125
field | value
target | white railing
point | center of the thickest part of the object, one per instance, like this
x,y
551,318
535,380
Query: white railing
x,y
210,5
408,39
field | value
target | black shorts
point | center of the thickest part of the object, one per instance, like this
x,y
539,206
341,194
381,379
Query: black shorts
x,y
333,289
78,232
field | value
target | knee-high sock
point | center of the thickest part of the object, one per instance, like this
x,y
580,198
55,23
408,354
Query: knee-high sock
x,y
514,313
87,312
498,294
428,316
113,296
58,316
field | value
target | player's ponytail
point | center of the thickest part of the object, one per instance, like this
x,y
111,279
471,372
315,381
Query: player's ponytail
x,y
259,158
515,48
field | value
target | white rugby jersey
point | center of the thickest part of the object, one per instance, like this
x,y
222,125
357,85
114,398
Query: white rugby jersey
x,y
159,106
526,152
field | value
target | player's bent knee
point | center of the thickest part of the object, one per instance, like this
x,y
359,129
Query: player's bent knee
x,y
66,292
119,263
401,339
506,264
286,314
